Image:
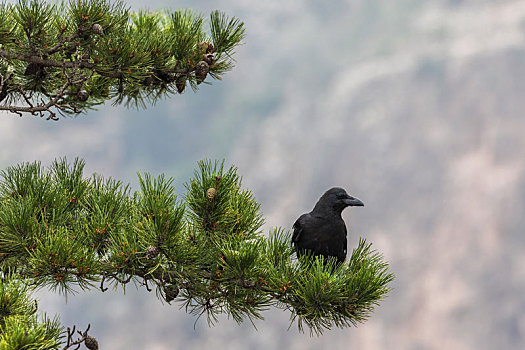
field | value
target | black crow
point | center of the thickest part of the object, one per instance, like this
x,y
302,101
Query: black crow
x,y
322,232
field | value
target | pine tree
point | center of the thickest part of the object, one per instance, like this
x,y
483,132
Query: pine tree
x,y
64,231
67,58
205,249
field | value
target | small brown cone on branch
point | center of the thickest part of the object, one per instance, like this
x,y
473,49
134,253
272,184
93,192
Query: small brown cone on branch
x,y
209,58
201,70
152,252
82,95
91,343
97,29
210,193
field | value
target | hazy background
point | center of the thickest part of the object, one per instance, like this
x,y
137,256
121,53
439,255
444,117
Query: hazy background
x,y
415,107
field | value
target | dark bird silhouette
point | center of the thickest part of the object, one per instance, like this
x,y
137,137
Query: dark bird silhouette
x,y
322,232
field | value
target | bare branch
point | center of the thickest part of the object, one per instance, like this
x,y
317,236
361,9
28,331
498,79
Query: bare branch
x,y
72,78
71,342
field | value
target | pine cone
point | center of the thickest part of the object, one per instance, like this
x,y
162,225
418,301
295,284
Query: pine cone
x,y
82,95
97,29
209,58
202,46
91,343
201,70
210,193
205,47
152,252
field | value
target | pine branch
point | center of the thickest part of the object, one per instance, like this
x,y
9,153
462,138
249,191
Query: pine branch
x,y
91,51
20,328
61,230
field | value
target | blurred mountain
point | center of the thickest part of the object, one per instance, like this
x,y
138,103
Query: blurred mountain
x,y
415,107
427,130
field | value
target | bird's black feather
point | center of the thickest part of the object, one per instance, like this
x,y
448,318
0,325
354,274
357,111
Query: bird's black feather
x,y
322,232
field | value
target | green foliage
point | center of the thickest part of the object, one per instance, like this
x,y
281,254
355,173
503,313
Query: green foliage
x,y
188,30
59,260
76,55
61,230
218,205
161,222
225,32
329,294
19,326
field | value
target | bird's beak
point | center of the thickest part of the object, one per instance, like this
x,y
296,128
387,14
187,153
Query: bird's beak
x,y
353,202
